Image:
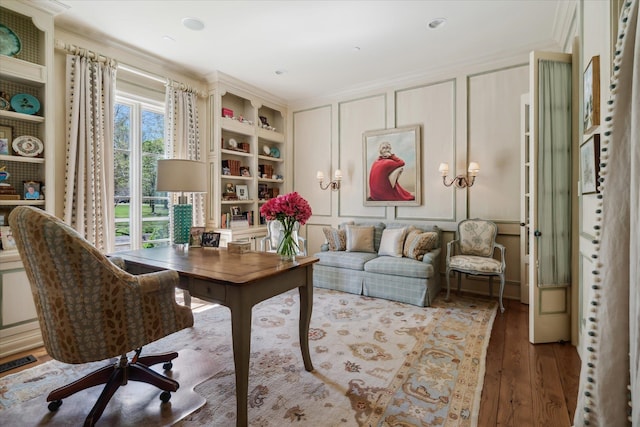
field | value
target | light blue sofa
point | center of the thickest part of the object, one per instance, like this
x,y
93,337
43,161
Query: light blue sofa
x,y
399,279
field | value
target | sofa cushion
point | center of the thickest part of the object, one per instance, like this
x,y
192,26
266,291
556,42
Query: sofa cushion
x,y
359,239
400,267
378,227
392,242
342,259
418,242
337,239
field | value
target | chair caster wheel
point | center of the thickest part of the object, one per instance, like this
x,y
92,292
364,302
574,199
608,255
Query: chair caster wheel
x,y
167,366
165,396
53,406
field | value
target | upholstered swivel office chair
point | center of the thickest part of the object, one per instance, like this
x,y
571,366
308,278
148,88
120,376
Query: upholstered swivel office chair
x,y
89,309
472,253
270,242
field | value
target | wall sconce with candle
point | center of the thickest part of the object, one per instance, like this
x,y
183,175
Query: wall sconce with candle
x,y
460,181
335,184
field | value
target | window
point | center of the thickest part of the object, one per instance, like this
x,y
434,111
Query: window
x,y
141,214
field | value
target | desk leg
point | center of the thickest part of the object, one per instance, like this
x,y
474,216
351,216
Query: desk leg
x,y
306,306
241,335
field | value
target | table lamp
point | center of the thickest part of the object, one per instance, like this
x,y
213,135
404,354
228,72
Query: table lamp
x,y
183,176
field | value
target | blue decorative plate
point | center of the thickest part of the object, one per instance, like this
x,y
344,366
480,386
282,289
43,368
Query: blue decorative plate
x,y
275,152
25,103
9,42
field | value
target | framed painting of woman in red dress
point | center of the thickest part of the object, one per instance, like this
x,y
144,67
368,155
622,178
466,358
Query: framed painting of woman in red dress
x,y
392,167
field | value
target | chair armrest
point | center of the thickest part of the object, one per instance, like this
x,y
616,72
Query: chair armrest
x,y
502,249
119,262
302,245
158,281
431,256
450,248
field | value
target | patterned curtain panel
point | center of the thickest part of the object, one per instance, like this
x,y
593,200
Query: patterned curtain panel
x,y
182,133
90,90
609,393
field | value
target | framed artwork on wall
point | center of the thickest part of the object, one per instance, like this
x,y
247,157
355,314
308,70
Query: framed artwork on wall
x,y
391,160
590,164
591,93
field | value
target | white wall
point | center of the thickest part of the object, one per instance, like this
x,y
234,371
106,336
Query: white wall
x,y
471,116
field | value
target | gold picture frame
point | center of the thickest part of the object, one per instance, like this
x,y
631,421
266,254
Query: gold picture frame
x,y
591,93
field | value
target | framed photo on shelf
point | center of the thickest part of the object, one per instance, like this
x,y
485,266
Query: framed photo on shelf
x,y
243,192
235,210
245,171
6,138
8,242
195,237
210,239
4,217
31,190
591,92
590,164
391,166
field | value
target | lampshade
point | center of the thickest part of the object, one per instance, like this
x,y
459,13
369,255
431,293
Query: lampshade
x,y
444,168
181,175
474,168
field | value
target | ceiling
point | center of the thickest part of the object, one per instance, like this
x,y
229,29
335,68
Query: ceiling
x,y
321,48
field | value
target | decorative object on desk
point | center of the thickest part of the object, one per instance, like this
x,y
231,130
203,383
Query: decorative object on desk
x,y
6,138
210,239
195,237
28,146
289,209
243,192
25,103
10,44
590,164
182,176
238,247
5,101
31,190
591,108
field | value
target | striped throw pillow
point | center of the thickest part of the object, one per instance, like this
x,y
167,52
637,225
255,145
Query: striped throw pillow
x,y
337,239
418,242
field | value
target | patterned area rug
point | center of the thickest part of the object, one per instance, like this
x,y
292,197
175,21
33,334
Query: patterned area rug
x,y
377,363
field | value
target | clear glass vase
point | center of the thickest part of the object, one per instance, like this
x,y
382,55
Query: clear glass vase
x,y
288,246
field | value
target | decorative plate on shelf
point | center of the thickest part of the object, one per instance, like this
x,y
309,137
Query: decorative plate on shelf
x,y
10,44
28,146
25,103
275,152
266,150
233,143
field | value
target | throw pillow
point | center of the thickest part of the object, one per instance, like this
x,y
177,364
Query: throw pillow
x,y
337,239
359,239
418,243
392,242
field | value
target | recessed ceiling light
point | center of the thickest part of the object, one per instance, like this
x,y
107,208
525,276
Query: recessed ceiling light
x,y
437,23
168,38
280,72
193,24
356,48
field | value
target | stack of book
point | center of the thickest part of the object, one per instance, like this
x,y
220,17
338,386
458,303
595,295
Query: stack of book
x,y
7,192
232,165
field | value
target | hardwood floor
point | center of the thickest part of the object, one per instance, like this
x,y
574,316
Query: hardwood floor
x,y
524,384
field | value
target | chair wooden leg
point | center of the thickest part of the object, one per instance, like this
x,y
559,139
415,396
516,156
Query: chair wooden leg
x,y
137,372
447,276
501,291
115,381
459,282
101,376
157,358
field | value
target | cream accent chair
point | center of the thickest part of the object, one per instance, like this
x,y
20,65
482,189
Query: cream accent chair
x,y
472,253
270,242
89,309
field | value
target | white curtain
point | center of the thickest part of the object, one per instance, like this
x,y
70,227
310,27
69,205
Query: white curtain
x,y
610,375
90,89
182,134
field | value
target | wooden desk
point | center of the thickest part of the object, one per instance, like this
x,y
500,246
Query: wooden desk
x,y
237,281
